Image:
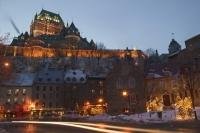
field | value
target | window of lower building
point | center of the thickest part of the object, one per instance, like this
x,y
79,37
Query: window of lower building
x,y
57,95
50,95
44,88
196,93
8,100
166,100
50,88
24,91
57,88
23,100
9,92
43,104
101,92
38,88
16,91
15,99
100,83
186,94
50,104
93,91
37,96
44,96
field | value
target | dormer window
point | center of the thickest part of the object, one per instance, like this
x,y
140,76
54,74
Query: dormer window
x,y
74,79
40,79
74,73
82,79
57,79
68,79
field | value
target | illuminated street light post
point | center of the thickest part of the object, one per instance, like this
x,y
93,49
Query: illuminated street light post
x,y
125,94
100,100
6,64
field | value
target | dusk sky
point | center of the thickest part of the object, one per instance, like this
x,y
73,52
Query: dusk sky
x,y
118,24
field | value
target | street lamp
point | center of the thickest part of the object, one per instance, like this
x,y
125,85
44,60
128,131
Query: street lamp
x,y
100,100
127,97
87,103
6,64
124,93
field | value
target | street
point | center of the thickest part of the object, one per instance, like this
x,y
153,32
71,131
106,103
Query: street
x,y
82,127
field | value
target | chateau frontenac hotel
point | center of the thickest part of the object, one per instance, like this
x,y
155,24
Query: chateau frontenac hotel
x,y
53,68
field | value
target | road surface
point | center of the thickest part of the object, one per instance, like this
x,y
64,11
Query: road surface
x,y
81,127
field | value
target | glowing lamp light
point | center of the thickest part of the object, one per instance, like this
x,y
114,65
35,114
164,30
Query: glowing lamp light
x,y
124,93
100,100
87,103
6,64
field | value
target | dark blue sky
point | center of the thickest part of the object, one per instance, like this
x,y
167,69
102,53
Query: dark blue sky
x,y
117,23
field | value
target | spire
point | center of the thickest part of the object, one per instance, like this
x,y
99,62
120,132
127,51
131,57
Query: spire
x,y
174,46
73,29
73,26
67,25
36,16
92,42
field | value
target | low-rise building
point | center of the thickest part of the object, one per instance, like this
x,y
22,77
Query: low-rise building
x,y
16,93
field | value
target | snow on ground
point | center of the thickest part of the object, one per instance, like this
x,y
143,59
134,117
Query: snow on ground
x,y
103,117
148,117
198,112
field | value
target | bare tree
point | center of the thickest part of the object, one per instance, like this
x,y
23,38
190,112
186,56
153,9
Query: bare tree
x,y
4,38
190,78
150,52
101,46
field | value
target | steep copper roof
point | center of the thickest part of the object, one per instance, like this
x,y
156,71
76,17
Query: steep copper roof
x,y
53,16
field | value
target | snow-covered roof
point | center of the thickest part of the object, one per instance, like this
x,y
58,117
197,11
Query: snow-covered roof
x,y
20,79
153,75
75,76
53,76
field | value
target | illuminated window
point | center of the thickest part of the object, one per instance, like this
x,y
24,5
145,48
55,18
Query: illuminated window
x,y
9,92
24,91
101,92
15,99
93,91
100,83
23,100
8,100
16,91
